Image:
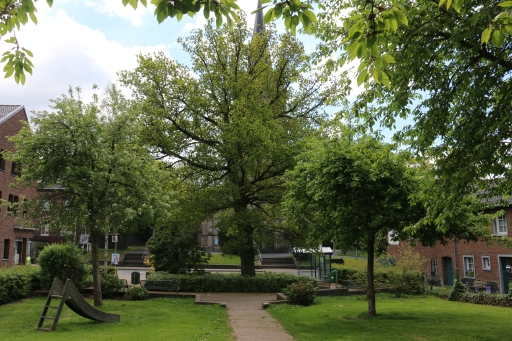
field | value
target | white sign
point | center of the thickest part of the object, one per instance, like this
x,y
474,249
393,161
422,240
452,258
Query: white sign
x,y
84,238
114,239
115,259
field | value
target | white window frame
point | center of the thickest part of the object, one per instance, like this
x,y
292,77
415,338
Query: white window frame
x,y
469,266
391,235
500,226
486,263
433,266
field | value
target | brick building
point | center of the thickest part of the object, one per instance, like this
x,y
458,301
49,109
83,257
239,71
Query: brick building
x,y
473,260
14,239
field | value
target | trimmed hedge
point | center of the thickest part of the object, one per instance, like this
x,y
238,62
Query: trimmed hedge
x,y
18,282
265,282
400,282
460,293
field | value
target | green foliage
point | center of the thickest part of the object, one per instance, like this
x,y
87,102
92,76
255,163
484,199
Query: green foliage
x,y
137,294
92,151
406,277
231,125
175,251
457,291
110,284
266,282
301,293
62,261
400,282
456,92
228,244
353,189
176,9
483,298
18,282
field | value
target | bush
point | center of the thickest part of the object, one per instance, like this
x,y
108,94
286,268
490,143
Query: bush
x,y
137,294
301,293
266,282
399,281
457,291
175,251
19,282
110,284
62,261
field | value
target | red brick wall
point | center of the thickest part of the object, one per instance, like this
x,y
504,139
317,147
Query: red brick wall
x,y
7,230
456,251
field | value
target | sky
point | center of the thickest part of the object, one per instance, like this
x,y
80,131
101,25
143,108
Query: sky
x,y
82,43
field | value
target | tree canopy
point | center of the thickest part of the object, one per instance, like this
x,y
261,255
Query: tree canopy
x,y
456,91
88,158
353,190
233,123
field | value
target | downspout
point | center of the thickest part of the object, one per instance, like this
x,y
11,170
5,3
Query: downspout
x,y
455,259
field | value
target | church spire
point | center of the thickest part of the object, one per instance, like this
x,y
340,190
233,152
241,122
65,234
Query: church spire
x,y
258,21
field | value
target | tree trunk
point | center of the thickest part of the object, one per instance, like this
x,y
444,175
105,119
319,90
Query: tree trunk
x,y
370,288
247,255
96,278
245,240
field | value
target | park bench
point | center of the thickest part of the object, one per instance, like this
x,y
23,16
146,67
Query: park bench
x,y
124,283
478,285
160,285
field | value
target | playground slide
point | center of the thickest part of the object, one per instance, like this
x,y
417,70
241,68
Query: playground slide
x,y
79,305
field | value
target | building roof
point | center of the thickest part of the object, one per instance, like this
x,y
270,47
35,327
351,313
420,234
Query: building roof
x,y
7,111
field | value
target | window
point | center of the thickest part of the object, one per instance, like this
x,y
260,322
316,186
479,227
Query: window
x,y
469,266
45,230
433,266
391,235
2,160
13,200
486,263
500,226
7,246
16,169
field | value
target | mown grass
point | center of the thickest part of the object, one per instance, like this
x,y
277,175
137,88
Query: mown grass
x,y
222,259
155,319
417,318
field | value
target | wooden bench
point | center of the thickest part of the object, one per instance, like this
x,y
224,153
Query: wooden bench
x,y
478,286
160,285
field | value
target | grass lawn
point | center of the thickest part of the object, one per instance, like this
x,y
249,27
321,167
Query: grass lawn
x,y
155,319
222,259
417,319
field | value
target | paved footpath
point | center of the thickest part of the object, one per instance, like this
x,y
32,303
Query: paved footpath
x,y
249,321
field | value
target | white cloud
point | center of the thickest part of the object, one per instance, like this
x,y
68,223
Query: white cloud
x,y
67,54
116,8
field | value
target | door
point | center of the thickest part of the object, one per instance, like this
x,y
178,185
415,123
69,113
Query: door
x,y
506,273
447,271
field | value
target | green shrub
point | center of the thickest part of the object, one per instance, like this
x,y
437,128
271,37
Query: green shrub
x,y
62,261
18,282
399,281
110,284
457,291
301,293
266,282
176,251
404,282
137,294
